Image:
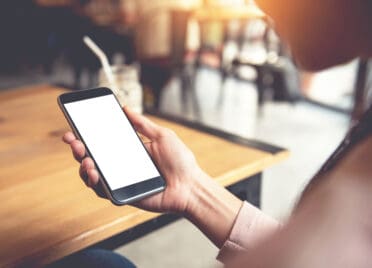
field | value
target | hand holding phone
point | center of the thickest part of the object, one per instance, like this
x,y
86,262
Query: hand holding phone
x,y
175,161
110,140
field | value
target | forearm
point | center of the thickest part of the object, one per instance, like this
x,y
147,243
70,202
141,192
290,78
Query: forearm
x,y
212,209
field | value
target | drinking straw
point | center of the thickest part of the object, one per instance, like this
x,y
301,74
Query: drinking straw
x,y
103,59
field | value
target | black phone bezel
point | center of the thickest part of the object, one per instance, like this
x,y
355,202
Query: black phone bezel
x,y
127,194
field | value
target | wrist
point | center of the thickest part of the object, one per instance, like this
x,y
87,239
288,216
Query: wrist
x,y
197,189
212,209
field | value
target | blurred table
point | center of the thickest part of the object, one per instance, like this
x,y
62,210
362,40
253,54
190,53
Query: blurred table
x,y
47,212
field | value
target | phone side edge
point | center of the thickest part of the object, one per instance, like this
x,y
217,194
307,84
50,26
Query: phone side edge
x,y
76,133
130,200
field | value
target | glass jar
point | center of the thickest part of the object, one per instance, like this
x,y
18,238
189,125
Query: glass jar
x,y
126,86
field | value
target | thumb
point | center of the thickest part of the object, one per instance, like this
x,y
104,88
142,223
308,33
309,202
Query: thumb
x,y
142,124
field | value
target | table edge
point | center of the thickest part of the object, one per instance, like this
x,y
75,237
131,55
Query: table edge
x,y
193,124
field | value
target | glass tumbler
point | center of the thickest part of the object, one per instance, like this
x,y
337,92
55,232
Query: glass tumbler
x,y
126,86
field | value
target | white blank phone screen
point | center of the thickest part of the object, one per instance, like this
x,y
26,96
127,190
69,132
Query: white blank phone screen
x,y
112,141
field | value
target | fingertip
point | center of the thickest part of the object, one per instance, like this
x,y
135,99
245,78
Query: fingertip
x,y
76,144
68,137
126,108
93,177
78,149
87,163
133,116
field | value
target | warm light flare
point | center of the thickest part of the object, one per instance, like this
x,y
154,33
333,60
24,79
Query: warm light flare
x,y
230,2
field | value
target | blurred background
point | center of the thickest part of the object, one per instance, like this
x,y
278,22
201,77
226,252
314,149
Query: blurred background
x,y
218,62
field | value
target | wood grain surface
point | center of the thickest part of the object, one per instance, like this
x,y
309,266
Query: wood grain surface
x,y
46,211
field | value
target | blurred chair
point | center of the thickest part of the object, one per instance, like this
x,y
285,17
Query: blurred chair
x,y
260,59
156,72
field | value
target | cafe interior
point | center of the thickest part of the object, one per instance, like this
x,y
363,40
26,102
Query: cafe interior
x,y
214,71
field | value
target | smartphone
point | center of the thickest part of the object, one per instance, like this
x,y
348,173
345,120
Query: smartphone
x,y
127,172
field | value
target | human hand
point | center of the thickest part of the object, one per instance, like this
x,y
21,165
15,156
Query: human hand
x,y
175,161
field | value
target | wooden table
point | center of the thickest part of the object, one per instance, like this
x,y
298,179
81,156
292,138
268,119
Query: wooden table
x,y
46,212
